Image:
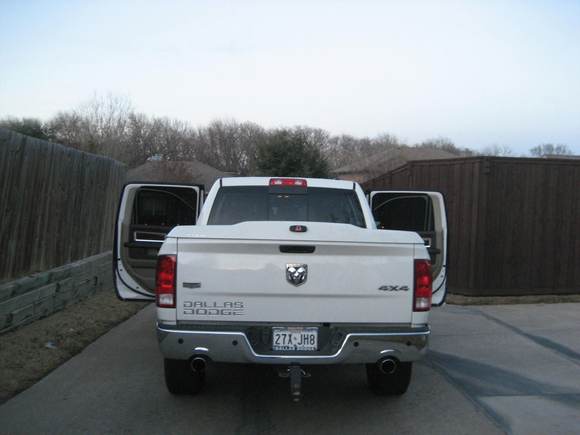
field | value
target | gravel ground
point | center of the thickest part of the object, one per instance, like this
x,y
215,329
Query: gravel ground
x,y
32,351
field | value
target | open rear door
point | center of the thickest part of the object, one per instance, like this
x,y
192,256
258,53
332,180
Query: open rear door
x,y
424,213
147,212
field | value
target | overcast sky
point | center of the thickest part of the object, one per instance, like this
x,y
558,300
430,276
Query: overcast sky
x,y
480,73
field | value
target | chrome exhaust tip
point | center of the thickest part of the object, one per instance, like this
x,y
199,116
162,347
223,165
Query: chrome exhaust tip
x,y
198,364
388,366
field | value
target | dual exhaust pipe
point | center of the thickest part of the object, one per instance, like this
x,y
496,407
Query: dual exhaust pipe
x,y
198,363
388,365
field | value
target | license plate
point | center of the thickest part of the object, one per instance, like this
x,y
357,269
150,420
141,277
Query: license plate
x,y
294,338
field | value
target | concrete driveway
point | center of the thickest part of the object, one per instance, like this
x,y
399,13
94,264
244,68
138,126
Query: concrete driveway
x,y
498,369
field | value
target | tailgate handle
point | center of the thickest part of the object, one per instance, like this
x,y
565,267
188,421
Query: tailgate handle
x,y
297,249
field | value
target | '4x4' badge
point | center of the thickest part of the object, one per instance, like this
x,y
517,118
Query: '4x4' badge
x,y
296,273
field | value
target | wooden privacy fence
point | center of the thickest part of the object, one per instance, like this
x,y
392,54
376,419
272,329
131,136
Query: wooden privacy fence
x,y
513,222
57,204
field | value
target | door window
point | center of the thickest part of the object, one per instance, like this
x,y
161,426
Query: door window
x,y
403,211
163,207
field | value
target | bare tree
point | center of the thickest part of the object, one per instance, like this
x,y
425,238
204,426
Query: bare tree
x,y
110,126
446,144
386,141
98,126
345,149
497,150
229,146
251,137
28,126
172,139
342,150
548,149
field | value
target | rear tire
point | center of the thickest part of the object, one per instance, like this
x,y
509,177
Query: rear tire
x,y
385,384
181,379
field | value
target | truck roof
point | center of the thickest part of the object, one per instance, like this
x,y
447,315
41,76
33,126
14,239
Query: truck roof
x,y
265,181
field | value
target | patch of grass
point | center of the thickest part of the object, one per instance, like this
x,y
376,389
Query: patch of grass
x,y
29,353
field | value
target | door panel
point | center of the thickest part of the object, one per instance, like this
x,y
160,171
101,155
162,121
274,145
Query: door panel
x,y
424,213
147,212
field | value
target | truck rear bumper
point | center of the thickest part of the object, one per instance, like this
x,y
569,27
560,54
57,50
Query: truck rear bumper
x,y
235,347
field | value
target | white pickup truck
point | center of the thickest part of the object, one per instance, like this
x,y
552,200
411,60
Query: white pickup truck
x,y
284,271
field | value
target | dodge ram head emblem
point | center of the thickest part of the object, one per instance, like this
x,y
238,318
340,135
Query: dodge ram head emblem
x,y
296,273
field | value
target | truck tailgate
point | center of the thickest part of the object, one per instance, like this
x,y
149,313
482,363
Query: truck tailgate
x,y
244,279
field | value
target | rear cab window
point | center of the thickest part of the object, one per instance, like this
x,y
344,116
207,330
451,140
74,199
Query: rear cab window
x,y
235,204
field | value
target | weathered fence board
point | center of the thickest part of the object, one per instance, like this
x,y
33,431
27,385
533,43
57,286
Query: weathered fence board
x,y
57,204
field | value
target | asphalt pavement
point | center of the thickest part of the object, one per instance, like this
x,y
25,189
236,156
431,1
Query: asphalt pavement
x,y
496,369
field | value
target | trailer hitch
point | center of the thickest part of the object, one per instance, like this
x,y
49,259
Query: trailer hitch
x,y
295,373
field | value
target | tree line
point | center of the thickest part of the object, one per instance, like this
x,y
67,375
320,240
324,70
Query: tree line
x,y
110,126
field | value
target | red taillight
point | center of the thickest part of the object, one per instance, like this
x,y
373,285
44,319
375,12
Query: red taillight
x,y
423,286
296,182
165,281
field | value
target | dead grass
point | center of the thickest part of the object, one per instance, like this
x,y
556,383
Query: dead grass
x,y
32,351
